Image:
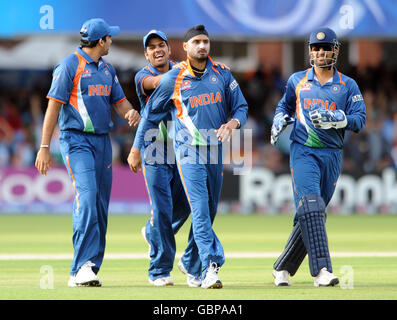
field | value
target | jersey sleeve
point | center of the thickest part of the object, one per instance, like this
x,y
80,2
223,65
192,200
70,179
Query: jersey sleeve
x,y
287,104
62,80
139,78
156,109
236,101
355,108
140,91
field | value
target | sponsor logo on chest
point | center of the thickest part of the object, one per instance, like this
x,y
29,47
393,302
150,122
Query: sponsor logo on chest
x,y
187,84
86,73
307,86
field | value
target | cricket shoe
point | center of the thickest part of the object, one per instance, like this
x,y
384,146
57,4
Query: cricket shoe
x,y
85,277
281,278
325,279
72,283
143,232
191,280
162,282
211,280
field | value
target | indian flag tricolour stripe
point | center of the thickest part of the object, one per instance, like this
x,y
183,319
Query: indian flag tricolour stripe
x,y
88,127
312,140
183,114
76,98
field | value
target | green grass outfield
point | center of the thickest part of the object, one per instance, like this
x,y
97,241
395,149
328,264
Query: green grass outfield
x,y
367,245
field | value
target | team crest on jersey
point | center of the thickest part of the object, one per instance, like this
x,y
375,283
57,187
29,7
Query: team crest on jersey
x,y
107,73
307,86
186,85
86,73
335,88
213,79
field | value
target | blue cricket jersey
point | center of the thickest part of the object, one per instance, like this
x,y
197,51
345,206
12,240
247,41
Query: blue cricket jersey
x,y
196,103
87,90
143,95
303,91
141,75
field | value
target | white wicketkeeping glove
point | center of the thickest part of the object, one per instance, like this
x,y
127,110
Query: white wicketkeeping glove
x,y
280,122
326,119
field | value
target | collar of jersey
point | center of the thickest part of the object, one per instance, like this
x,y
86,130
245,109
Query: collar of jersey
x,y
209,65
157,72
335,79
86,57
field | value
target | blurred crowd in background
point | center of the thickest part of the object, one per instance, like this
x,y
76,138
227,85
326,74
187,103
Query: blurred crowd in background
x,y
375,148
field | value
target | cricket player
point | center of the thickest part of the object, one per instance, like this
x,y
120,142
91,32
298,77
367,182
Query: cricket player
x,y
199,98
83,90
170,207
322,103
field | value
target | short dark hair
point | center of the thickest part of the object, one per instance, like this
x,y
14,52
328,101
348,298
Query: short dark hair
x,y
90,44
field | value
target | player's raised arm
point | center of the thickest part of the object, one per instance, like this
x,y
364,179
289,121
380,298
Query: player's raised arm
x,y
151,82
155,110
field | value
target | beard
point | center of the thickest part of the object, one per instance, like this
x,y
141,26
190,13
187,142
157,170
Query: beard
x,y
105,52
200,56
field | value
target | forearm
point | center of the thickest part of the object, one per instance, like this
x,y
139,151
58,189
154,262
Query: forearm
x,y
50,121
241,115
122,107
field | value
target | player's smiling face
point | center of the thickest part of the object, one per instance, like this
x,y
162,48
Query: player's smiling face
x,y
157,52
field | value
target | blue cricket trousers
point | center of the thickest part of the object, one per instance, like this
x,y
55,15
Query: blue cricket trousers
x,y
314,170
88,159
202,183
170,209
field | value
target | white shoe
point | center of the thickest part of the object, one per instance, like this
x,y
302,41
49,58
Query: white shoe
x,y
86,277
191,280
143,232
182,267
211,280
72,282
281,278
162,282
325,279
